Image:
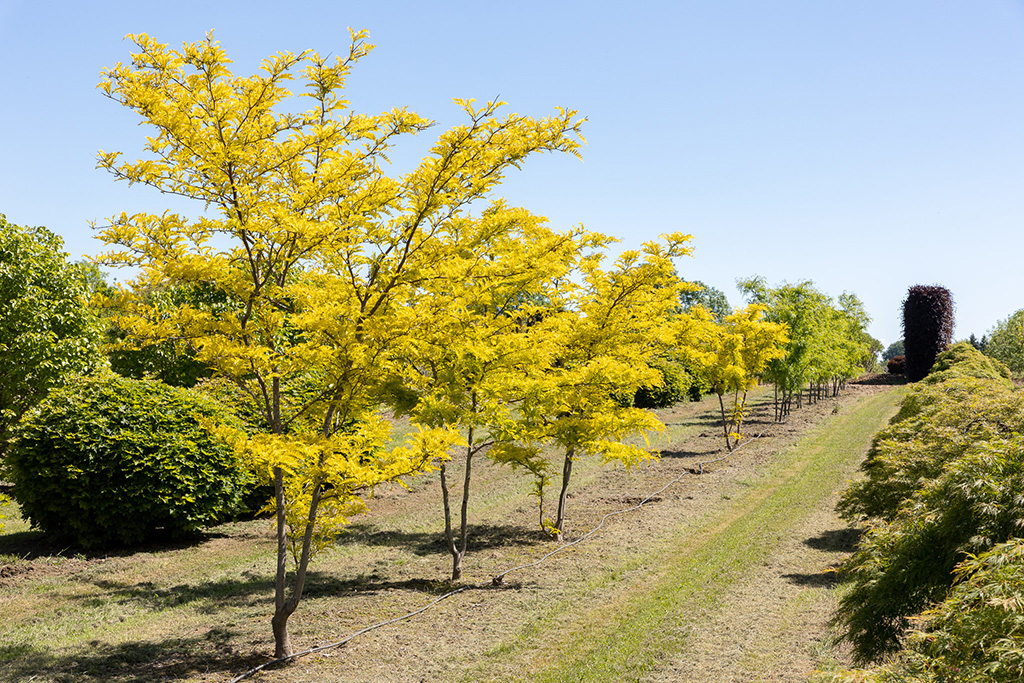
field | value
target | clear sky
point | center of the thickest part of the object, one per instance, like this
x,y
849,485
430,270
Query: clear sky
x,y
867,146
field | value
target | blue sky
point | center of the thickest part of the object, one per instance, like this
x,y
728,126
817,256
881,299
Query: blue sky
x,y
867,146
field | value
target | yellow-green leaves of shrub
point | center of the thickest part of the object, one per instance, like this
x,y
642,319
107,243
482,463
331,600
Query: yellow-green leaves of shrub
x,y
944,487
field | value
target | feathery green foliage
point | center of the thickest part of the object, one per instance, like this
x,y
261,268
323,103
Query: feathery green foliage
x,y
944,483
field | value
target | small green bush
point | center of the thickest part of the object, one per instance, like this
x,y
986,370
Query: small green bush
x,y
114,461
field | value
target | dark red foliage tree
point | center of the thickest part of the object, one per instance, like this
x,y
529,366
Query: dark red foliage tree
x,y
927,327
896,365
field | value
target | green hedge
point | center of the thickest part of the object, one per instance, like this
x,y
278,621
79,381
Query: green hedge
x,y
114,461
943,486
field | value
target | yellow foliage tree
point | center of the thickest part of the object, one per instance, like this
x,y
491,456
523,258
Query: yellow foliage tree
x,y
741,347
483,340
315,256
607,329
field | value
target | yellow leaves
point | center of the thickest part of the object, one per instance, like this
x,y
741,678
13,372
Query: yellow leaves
x,y
344,467
741,348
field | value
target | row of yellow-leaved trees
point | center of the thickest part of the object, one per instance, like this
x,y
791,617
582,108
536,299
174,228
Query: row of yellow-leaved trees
x,y
339,289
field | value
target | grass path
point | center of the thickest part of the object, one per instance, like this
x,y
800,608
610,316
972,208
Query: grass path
x,y
634,632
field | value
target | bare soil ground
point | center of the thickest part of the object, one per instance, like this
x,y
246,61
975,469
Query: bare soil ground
x,y
199,611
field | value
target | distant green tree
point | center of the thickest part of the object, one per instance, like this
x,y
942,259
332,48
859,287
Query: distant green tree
x,y
171,361
47,331
711,298
894,349
978,344
827,344
1006,342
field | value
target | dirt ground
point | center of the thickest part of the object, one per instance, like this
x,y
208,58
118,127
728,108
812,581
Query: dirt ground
x,y
200,611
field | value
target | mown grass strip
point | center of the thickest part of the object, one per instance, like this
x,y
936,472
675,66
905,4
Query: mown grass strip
x,y
650,620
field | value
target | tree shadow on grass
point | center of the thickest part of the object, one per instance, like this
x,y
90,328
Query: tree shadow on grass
x,y
673,453
252,590
843,540
829,578
481,537
703,420
163,660
34,545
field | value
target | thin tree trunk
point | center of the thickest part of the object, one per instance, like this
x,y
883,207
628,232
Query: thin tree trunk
x,y
285,607
725,423
464,522
566,474
449,536
279,623
282,643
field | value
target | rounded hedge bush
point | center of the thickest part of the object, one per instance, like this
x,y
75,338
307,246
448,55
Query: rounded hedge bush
x,y
115,461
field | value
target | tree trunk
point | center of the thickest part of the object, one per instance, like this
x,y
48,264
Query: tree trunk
x,y
725,423
464,522
282,645
566,474
285,608
449,536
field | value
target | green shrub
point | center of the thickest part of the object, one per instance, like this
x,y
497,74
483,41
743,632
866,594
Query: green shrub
x,y
936,424
963,360
904,566
976,634
677,384
111,461
943,483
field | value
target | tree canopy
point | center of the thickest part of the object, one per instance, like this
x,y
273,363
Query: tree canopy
x,y
827,343
1006,342
47,331
320,263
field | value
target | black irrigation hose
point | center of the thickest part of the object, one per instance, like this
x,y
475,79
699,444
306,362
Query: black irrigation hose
x,y
498,578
